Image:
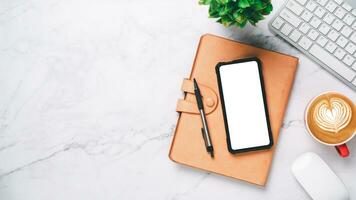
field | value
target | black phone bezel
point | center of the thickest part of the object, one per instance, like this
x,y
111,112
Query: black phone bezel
x,y
234,151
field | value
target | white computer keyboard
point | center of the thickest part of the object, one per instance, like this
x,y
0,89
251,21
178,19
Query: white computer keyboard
x,y
324,30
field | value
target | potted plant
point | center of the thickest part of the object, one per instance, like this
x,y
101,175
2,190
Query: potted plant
x,y
238,12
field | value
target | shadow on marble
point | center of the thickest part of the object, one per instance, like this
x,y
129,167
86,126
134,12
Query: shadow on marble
x,y
257,37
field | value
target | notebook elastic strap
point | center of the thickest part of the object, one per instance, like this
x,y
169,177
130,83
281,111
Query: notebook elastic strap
x,y
189,105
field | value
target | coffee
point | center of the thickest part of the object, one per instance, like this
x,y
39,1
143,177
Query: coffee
x,y
331,118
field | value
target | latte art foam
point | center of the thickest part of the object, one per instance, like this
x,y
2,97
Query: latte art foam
x,y
332,115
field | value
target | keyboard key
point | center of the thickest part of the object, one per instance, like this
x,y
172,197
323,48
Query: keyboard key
x,y
286,29
354,82
295,36
349,19
329,18
342,41
315,22
331,47
331,6
307,15
347,6
350,47
340,13
313,34
304,28
322,2
277,23
294,7
324,57
333,35
324,29
339,1
290,17
320,12
302,1
339,53
354,25
305,43
348,60
353,12
322,41
311,5
353,37
337,25
346,31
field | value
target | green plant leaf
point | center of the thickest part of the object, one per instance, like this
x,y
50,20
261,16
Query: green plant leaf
x,y
267,10
204,2
225,10
259,5
223,1
243,3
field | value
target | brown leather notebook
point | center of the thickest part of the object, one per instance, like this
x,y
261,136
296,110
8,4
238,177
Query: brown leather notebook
x,y
188,145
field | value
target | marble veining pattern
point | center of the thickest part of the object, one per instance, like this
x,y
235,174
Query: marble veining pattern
x,y
87,104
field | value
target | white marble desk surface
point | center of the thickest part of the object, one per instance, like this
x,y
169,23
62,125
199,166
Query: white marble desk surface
x,y
87,102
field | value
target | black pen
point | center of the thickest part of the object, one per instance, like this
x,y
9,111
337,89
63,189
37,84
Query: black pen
x,y
205,130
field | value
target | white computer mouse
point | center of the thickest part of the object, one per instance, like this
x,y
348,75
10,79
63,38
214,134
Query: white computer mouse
x,y
317,179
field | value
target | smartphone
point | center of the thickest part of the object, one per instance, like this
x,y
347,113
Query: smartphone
x,y
244,105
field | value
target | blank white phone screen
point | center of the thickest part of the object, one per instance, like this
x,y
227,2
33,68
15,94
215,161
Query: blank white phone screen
x,y
244,105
